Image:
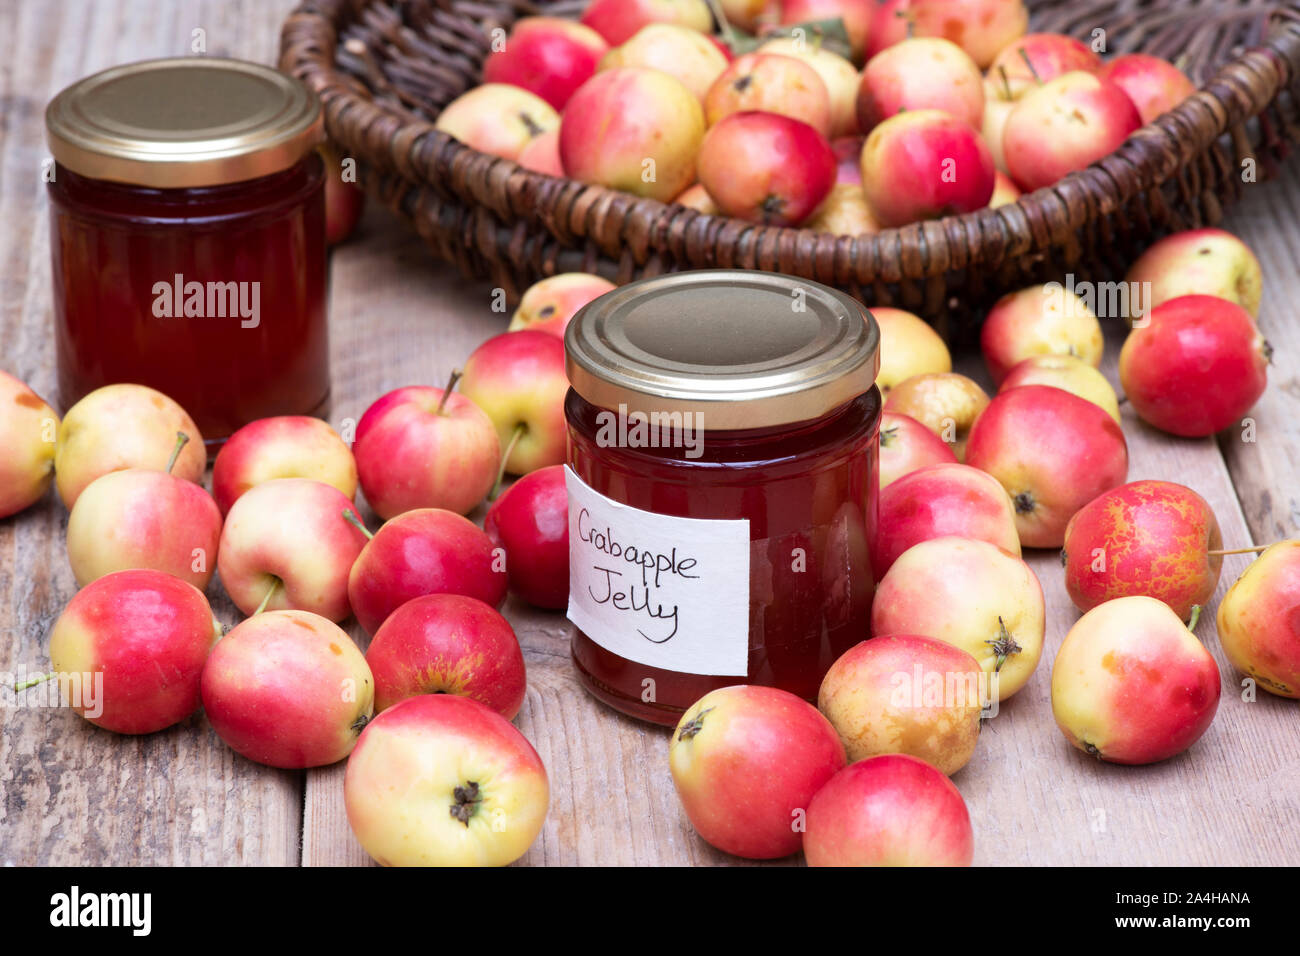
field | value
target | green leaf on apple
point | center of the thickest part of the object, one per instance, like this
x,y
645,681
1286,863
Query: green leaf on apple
x,y
829,34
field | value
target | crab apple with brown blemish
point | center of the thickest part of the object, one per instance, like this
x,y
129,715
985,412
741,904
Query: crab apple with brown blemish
x,y
288,689
917,74
908,346
124,426
633,129
855,14
770,83
287,446
947,403
548,56
973,595
28,429
938,501
1259,620
1199,262
619,20
1131,683
766,168
983,28
840,76
1040,320
903,693
924,164
549,304
1064,371
1065,125
890,810
497,118
1037,58
287,545
447,644
690,56
148,634
1196,367
907,446
1052,451
1154,85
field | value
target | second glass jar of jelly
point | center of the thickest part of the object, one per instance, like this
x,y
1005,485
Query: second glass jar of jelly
x,y
722,476
187,231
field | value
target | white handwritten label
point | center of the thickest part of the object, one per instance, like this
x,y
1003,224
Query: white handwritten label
x,y
656,589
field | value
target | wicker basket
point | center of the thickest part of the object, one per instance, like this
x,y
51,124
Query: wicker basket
x,y
384,68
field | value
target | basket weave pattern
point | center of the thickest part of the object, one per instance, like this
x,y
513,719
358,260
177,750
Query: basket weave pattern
x,y
384,69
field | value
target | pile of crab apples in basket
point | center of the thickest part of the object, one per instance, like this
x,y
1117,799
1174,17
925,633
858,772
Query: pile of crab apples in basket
x,y
840,116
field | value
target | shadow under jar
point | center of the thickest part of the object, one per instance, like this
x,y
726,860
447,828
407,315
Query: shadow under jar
x,y
187,230
722,477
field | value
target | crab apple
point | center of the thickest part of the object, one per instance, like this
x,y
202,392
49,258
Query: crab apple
x,y
982,28
287,545
840,76
1065,125
1049,55
427,551
856,15
848,171
549,304
1259,620
938,501
890,810
1052,451
973,595
28,428
518,379
907,446
750,15
144,519
344,199
890,24
531,521
497,118
1005,191
124,426
908,346
844,212
945,402
921,73
1154,85
1199,262
1041,320
770,83
447,644
542,154
619,20
148,633
689,55
442,780
288,689
548,56
902,693
425,447
999,101
924,164
746,761
1146,537
1196,366
697,197
633,129
766,168
1064,371
287,446
1131,683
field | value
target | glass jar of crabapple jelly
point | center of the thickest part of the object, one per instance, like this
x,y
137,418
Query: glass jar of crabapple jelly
x,y
187,229
722,478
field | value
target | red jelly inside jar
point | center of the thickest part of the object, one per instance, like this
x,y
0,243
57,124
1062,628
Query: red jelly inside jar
x,y
784,509
187,221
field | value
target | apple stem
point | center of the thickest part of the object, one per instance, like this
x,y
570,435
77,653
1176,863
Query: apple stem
x,y
352,519
1255,550
182,440
724,28
1024,55
1004,646
1006,81
694,726
33,681
267,600
505,457
1196,616
446,392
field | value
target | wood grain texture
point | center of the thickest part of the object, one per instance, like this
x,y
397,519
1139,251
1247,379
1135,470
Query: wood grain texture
x,y
72,794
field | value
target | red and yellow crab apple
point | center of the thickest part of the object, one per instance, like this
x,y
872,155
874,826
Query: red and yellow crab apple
x,y
28,428
1259,620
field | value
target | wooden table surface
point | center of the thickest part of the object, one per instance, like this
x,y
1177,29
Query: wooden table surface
x,y
76,795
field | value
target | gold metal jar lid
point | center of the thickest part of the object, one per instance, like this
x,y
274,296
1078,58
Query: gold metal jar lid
x,y
744,349
183,122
